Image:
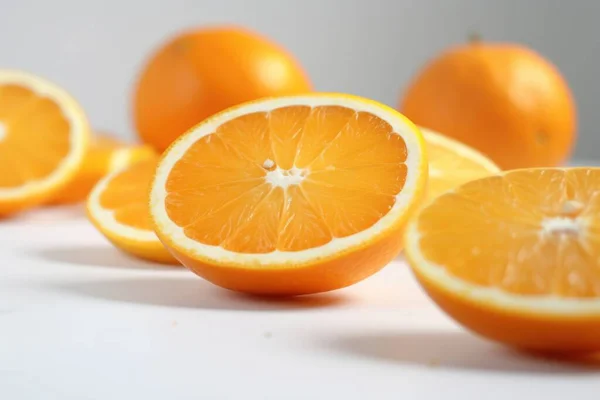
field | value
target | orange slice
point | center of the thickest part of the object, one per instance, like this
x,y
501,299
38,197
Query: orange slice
x,y
516,257
118,207
105,155
44,135
290,195
452,163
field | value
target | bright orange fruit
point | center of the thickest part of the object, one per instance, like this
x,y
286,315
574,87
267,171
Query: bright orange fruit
x,y
204,71
452,163
290,195
516,257
118,207
104,155
502,99
44,137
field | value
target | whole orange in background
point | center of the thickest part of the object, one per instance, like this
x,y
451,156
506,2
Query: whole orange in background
x,y
503,99
201,72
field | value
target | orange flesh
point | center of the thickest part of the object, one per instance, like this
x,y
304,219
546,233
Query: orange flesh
x,y
340,169
95,166
127,195
34,139
101,147
448,170
528,232
98,162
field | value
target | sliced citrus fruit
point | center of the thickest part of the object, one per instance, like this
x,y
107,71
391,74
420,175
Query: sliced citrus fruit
x,y
452,163
105,154
516,257
44,135
118,207
290,195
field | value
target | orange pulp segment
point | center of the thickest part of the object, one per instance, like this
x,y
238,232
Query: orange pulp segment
x,y
516,257
341,195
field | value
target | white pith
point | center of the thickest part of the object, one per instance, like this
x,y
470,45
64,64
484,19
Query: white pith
x,y
548,305
2,131
77,121
285,177
401,126
556,225
106,217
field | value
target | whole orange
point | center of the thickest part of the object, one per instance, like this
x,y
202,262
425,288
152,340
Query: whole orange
x,y
503,99
201,72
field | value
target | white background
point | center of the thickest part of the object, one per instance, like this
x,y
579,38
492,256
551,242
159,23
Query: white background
x,y
81,321
365,47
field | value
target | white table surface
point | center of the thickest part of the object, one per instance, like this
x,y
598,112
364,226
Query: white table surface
x,y
79,320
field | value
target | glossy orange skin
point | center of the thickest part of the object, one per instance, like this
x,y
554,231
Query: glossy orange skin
x,y
321,276
533,332
502,99
201,72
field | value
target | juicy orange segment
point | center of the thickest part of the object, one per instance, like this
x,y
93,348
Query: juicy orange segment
x,y
50,129
523,249
105,155
452,163
43,137
241,185
118,207
281,183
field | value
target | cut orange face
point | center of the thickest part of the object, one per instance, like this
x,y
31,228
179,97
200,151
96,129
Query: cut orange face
x,y
516,257
452,163
118,207
44,136
104,155
290,195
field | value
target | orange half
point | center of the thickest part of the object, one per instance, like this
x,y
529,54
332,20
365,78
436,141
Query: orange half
x,y
516,257
118,208
44,137
290,195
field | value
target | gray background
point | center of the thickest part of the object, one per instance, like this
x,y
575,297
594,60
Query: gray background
x,y
365,47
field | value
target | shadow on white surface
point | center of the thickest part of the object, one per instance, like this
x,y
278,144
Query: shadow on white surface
x,y
454,350
193,292
95,256
50,214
